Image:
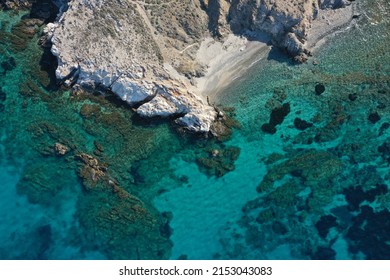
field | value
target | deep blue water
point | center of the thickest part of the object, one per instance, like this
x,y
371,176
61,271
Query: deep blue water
x,y
305,177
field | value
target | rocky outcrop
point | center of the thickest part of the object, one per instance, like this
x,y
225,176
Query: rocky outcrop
x,y
110,44
146,52
60,149
288,22
15,4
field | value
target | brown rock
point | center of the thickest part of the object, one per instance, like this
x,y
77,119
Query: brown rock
x,y
60,149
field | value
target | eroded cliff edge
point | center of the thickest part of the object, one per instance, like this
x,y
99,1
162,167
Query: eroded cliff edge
x,y
287,22
147,52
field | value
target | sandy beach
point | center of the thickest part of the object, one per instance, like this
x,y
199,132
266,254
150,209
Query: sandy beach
x,y
229,60
328,23
226,62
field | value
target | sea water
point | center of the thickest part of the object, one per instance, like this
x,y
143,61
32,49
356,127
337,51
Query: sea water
x,y
314,187
209,220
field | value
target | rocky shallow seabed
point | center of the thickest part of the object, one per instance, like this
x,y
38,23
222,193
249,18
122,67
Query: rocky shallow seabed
x,y
304,175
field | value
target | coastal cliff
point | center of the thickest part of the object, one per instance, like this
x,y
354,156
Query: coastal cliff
x,y
151,54
287,22
112,44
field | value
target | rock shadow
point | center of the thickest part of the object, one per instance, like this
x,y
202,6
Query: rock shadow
x,y
278,55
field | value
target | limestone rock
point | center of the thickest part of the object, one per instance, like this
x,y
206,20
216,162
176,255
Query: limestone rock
x,y
147,53
60,149
132,92
92,171
288,22
122,54
16,4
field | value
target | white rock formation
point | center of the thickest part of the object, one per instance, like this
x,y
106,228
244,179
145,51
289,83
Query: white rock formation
x,y
108,43
288,22
147,52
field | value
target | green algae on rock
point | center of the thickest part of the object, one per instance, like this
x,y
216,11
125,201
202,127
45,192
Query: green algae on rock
x,y
42,184
117,222
121,226
312,166
53,132
302,212
218,161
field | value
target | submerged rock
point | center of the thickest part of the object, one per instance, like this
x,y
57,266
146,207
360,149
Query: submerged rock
x,y
370,234
22,33
3,95
324,253
92,170
279,114
383,128
302,124
218,162
352,96
41,183
9,64
357,195
384,149
61,149
325,224
268,128
279,228
319,88
114,220
315,169
89,110
285,196
374,117
277,117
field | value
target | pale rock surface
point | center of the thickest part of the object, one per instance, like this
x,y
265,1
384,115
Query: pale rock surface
x,y
288,22
153,53
108,43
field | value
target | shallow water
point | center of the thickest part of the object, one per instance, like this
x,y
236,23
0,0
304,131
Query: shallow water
x,y
282,224
317,193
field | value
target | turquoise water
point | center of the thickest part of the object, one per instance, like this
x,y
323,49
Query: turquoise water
x,y
314,185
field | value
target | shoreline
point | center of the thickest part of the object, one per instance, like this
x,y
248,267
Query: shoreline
x,y
227,61
328,23
161,87
230,60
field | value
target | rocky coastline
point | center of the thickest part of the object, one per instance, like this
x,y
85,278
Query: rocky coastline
x,y
152,54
